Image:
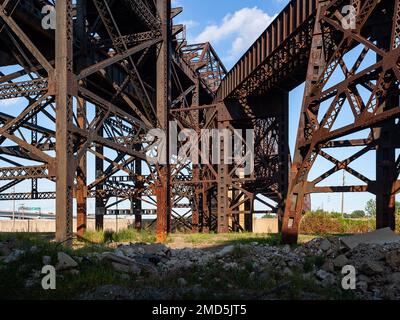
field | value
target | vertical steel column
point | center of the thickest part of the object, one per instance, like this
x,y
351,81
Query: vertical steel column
x,y
81,189
222,193
163,88
64,82
206,215
81,172
137,203
386,154
248,218
34,136
136,209
237,219
284,152
298,175
99,201
196,168
386,177
196,205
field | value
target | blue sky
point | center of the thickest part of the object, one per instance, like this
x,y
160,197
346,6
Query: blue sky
x,y
232,26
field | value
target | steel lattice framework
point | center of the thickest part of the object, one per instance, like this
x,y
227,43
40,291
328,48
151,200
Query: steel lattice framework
x,y
89,92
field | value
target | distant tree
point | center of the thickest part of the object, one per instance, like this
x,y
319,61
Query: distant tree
x,y
336,215
319,211
269,216
357,214
370,208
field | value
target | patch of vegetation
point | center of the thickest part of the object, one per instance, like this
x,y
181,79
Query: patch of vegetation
x,y
231,238
324,223
269,216
126,235
357,214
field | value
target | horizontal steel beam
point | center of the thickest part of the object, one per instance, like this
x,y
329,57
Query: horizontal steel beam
x,y
23,89
23,173
285,25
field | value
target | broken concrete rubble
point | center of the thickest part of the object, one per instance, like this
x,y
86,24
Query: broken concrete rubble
x,y
372,268
15,255
65,262
325,245
340,261
377,264
226,251
393,259
131,269
380,236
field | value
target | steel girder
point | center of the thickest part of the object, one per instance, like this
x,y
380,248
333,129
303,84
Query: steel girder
x,y
278,56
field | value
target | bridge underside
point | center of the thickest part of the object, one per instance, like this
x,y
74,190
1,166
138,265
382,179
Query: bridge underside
x,y
350,105
82,99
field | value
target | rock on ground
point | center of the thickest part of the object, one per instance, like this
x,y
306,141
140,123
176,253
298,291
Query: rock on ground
x,y
65,262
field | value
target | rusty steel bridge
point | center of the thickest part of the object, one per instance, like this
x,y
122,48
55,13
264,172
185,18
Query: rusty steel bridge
x,y
91,88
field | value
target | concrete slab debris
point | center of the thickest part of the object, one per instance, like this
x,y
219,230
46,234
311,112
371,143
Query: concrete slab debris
x,y
381,236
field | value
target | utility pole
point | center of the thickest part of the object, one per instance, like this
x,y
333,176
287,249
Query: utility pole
x,y
116,217
343,183
13,216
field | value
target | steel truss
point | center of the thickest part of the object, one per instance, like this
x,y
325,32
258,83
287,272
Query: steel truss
x,y
96,86
376,109
112,70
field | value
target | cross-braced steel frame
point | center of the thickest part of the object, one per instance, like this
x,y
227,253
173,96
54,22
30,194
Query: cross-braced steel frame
x,y
375,109
94,86
88,92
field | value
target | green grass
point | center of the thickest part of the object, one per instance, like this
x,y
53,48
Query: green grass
x,y
230,238
127,235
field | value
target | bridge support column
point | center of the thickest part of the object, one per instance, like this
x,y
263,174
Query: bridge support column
x,y
81,172
303,158
386,172
137,203
196,204
375,109
196,168
99,167
223,188
284,153
206,215
248,218
386,178
81,189
64,82
34,140
163,88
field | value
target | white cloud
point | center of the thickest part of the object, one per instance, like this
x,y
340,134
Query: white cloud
x,y
175,3
11,102
241,29
189,23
